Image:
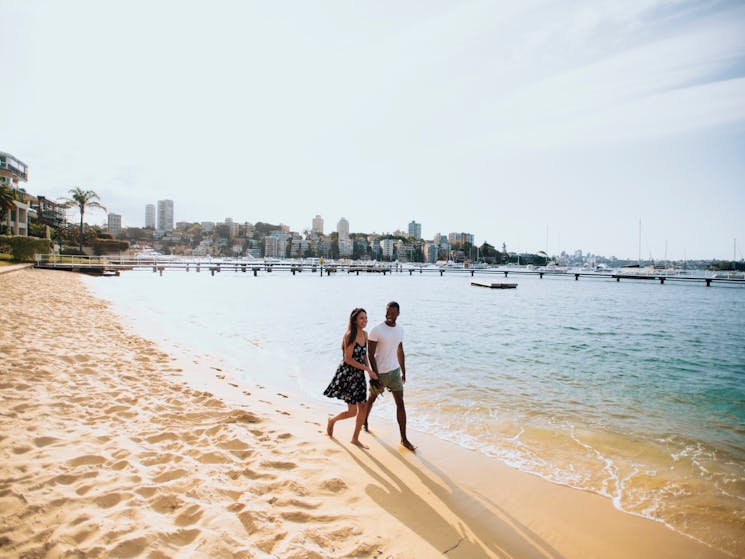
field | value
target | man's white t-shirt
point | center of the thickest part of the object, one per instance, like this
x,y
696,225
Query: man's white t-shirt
x,y
386,352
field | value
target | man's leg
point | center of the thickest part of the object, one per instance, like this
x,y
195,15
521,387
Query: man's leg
x,y
370,402
398,396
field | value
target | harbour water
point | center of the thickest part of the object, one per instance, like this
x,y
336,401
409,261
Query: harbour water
x,y
633,390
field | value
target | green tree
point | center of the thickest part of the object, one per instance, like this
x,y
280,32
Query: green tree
x,y
82,199
7,204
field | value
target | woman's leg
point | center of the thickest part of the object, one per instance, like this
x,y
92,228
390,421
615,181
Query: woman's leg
x,y
351,412
361,416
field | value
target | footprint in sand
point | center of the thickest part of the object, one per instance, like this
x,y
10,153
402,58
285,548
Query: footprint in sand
x,y
242,417
86,460
168,436
170,476
233,384
109,500
190,515
65,479
334,485
250,474
304,517
253,521
233,444
213,458
156,458
268,545
181,537
146,492
167,503
279,465
130,548
278,502
120,465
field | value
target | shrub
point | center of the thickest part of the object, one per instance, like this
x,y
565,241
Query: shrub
x,y
24,248
108,246
72,251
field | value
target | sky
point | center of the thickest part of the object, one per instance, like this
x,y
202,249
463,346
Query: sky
x,y
551,126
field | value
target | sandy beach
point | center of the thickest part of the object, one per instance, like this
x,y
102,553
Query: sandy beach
x,y
110,447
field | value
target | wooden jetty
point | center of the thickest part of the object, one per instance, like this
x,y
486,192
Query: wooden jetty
x,y
109,265
494,285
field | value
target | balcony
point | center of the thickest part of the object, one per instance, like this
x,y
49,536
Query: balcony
x,y
13,170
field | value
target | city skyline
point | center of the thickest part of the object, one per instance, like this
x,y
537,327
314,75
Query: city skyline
x,y
545,126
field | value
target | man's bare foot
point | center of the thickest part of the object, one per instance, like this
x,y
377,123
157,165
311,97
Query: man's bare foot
x,y
407,444
330,428
364,425
357,442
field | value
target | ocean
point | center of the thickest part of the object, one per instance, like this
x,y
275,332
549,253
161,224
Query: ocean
x,y
632,389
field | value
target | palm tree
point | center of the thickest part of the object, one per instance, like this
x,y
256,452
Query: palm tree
x,y
7,203
82,199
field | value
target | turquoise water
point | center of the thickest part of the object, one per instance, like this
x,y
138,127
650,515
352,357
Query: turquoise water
x,y
633,390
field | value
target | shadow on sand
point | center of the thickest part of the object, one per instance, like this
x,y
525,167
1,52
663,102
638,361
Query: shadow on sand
x,y
477,528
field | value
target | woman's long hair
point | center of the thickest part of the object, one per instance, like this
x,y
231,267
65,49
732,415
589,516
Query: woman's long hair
x,y
352,328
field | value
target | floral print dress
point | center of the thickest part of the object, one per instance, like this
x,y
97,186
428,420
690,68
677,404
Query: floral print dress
x,y
348,383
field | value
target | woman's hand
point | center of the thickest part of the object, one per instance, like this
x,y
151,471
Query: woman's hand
x,y
373,375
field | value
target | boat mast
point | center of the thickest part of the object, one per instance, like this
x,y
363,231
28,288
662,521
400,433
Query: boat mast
x,y
640,242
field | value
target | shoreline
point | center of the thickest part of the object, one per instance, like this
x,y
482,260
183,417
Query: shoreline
x,y
385,501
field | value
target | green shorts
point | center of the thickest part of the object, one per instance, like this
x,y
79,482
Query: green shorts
x,y
390,380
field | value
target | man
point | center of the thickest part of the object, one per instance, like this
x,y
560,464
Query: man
x,y
386,352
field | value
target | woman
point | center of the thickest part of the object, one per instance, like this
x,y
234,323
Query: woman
x,y
349,383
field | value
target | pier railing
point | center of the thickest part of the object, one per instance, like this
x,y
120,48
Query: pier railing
x,y
113,265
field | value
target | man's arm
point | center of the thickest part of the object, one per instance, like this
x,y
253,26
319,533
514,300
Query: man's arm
x,y
371,345
402,361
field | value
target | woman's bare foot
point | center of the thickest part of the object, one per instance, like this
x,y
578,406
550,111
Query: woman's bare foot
x,y
330,428
357,442
407,444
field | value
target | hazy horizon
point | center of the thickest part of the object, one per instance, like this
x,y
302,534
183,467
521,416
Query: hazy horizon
x,y
503,121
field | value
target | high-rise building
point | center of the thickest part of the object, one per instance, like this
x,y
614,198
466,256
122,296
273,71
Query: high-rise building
x,y
345,243
415,230
343,228
150,216
115,224
318,225
165,215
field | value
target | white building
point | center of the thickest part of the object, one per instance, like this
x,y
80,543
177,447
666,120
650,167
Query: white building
x,y
275,245
115,224
345,243
150,216
342,228
386,248
317,225
165,215
415,230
